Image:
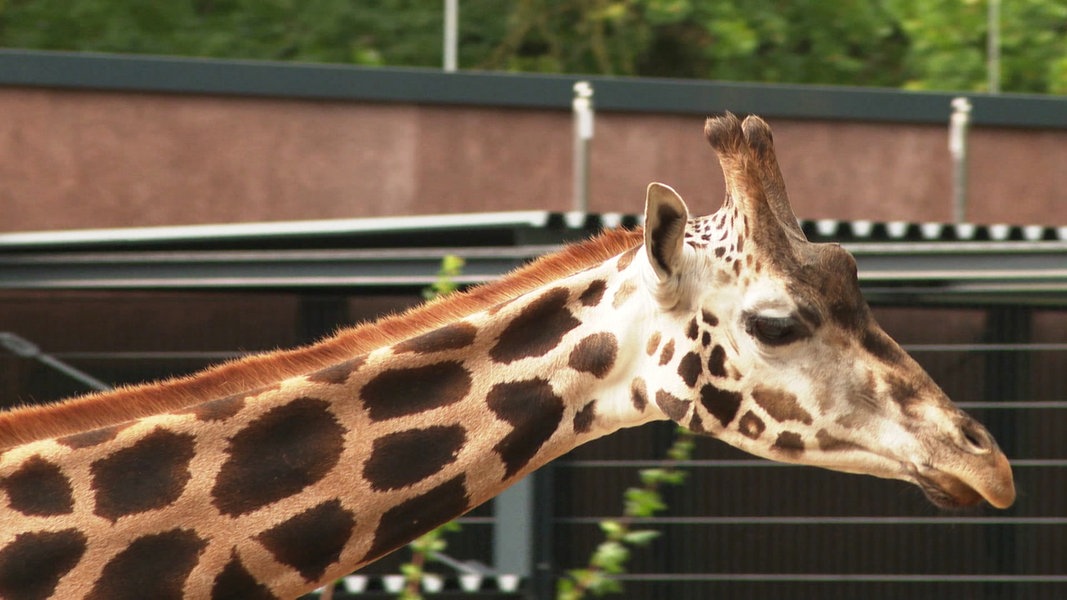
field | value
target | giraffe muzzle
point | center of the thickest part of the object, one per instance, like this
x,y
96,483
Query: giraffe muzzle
x,y
980,471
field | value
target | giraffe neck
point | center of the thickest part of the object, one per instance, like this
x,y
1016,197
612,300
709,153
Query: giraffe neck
x,y
271,492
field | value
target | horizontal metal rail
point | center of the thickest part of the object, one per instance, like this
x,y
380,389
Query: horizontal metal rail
x,y
844,577
819,520
745,463
949,268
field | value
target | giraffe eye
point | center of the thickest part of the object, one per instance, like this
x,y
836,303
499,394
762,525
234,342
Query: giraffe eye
x,y
774,331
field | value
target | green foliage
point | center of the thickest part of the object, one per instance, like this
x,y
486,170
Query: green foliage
x,y
620,536
947,48
919,44
423,550
451,267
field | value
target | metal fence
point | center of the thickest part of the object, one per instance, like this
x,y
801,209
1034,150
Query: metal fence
x,y
740,526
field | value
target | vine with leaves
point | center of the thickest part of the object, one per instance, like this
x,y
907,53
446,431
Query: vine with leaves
x,y
621,536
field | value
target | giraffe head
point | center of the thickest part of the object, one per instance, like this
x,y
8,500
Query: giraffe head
x,y
764,341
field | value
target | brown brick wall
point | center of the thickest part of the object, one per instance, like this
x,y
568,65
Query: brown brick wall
x,y
77,159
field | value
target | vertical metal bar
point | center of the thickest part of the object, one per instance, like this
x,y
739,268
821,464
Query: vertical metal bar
x,y
957,146
993,46
582,106
543,583
513,529
451,43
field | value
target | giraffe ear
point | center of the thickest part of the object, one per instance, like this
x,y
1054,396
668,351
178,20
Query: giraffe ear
x,y
665,218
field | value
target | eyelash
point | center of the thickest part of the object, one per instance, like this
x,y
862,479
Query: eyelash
x,y
775,331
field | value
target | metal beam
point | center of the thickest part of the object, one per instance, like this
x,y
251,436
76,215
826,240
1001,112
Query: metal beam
x,y
131,73
952,271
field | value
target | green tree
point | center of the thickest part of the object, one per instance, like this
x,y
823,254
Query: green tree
x,y
947,44
756,40
919,44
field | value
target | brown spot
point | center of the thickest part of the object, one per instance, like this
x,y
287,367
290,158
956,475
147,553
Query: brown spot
x,y
671,405
668,352
781,405
152,566
88,439
690,367
830,443
150,474
717,361
623,293
709,318
638,396
789,443
720,251
450,337
705,339
594,354
38,488
693,329
312,540
407,457
583,419
533,410
737,267
277,455
339,373
626,258
901,390
722,404
537,329
653,343
409,391
234,581
750,425
594,293
32,564
414,517
696,424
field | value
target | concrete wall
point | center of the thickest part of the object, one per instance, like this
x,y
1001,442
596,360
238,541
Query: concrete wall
x,y
86,159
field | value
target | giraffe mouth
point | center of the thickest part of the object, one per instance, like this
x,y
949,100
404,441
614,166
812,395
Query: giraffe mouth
x,y
947,492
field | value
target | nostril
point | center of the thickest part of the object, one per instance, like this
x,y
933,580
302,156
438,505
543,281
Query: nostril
x,y
976,438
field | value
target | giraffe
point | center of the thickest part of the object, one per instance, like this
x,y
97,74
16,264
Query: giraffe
x,y
271,475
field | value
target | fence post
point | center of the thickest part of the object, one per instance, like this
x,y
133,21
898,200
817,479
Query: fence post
x,y
582,107
451,41
957,146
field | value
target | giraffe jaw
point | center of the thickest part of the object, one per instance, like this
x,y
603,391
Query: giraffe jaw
x,y
947,492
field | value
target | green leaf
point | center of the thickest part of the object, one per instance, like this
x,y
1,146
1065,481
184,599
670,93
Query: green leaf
x,y
610,556
641,537
643,502
612,529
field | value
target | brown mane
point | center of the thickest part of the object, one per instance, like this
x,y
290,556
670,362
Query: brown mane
x,y
89,412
